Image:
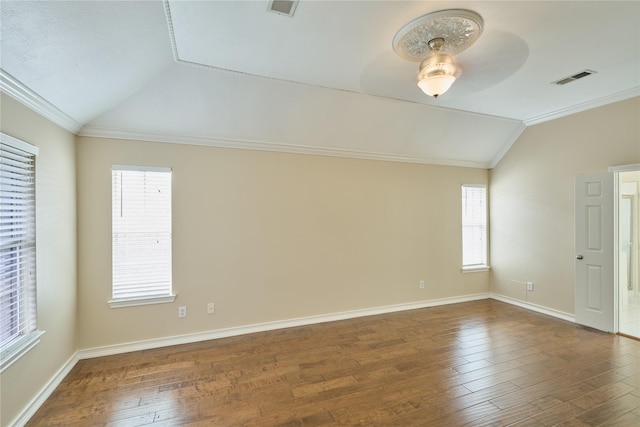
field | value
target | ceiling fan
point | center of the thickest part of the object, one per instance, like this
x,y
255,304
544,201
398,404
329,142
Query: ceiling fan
x,y
432,40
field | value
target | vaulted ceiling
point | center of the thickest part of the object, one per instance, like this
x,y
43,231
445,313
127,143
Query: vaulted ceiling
x,y
325,80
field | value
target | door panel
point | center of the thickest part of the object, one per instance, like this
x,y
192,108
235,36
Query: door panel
x,y
594,288
594,274
594,228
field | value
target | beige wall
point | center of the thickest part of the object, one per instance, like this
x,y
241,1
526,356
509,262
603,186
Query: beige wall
x,y
56,257
531,192
274,236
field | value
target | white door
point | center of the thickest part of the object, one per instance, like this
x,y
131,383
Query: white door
x,y
594,273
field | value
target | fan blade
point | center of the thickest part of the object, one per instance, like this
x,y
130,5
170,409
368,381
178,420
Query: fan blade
x,y
495,57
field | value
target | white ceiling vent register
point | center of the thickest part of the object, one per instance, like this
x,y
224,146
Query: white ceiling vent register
x,y
282,7
573,78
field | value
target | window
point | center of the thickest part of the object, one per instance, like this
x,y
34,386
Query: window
x,y
474,227
141,235
18,321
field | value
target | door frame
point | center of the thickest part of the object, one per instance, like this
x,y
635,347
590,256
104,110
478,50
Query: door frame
x,y
616,243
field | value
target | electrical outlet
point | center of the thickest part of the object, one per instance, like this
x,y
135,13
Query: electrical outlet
x,y
530,286
421,285
211,308
182,311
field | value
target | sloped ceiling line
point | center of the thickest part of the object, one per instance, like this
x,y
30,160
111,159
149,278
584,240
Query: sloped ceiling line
x,y
172,34
17,90
176,56
205,99
23,94
507,146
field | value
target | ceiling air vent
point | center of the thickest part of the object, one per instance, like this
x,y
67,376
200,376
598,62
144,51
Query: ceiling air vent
x,y
282,7
575,77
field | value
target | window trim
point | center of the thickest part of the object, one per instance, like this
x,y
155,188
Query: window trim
x,y
132,302
19,347
147,300
474,268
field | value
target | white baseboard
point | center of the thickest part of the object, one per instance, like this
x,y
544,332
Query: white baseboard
x,y
46,391
38,400
268,326
535,307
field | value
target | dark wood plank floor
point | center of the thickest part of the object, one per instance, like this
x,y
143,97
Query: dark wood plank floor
x,y
482,363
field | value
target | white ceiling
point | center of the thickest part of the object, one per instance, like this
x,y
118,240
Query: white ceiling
x,y
325,81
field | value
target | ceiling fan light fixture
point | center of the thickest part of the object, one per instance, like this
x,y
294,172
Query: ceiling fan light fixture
x,y
437,74
431,40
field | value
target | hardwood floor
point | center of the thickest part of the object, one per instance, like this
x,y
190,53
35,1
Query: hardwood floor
x,y
482,363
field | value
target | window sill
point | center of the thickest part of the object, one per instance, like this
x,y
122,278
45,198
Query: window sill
x,y
131,302
475,268
18,349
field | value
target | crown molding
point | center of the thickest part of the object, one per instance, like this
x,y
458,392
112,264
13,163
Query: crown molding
x,y
21,93
620,96
112,133
599,102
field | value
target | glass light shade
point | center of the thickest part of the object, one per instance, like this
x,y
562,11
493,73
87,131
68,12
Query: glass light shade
x,y
436,85
437,74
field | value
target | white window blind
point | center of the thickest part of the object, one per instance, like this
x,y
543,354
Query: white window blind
x,y
474,226
141,232
17,245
